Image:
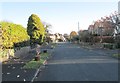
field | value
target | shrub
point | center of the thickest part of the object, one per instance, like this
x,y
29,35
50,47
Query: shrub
x,y
110,46
117,40
117,45
96,39
35,30
107,39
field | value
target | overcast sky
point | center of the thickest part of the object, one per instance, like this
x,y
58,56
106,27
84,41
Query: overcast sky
x,y
63,16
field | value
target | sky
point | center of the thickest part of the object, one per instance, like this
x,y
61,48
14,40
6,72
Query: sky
x,y
63,16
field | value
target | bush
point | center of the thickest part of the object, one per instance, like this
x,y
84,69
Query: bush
x,y
107,39
117,38
96,39
12,33
110,46
22,44
117,45
116,55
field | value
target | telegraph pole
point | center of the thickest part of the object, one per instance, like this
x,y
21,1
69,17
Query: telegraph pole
x,y
78,31
78,26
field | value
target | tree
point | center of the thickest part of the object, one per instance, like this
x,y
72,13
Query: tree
x,y
35,30
85,36
73,34
115,21
47,27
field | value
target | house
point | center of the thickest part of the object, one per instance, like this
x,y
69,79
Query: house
x,y
60,38
52,37
101,27
91,29
55,38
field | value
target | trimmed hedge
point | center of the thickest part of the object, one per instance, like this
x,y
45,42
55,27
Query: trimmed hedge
x,y
96,39
108,39
105,39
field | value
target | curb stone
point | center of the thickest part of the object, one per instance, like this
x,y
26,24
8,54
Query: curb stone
x,y
36,73
40,68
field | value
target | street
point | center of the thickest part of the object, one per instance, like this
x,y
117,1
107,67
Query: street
x,y
71,62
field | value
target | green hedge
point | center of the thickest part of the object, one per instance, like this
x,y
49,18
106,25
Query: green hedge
x,y
13,33
110,46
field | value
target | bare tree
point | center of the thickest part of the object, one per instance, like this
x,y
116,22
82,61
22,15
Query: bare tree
x,y
115,20
47,27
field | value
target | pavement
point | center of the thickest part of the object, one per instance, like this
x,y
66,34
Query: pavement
x,y
12,70
71,62
15,72
98,48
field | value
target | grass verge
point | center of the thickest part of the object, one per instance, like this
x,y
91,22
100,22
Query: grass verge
x,y
36,64
116,55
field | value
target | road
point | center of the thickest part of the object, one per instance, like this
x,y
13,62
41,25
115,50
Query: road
x,y
74,63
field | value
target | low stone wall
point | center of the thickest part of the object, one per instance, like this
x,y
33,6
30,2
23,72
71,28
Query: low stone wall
x,y
4,55
22,52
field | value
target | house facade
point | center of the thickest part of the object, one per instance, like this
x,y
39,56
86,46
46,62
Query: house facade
x,y
91,29
56,38
101,27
